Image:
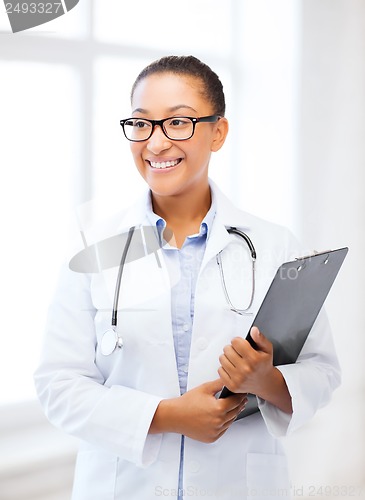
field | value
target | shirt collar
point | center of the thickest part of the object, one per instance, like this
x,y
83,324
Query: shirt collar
x,y
160,223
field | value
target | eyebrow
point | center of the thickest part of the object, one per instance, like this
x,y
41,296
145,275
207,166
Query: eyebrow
x,y
174,108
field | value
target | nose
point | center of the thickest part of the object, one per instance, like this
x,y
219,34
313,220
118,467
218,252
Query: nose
x,y
158,141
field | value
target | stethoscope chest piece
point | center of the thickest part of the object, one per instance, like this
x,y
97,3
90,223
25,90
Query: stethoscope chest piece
x,y
110,341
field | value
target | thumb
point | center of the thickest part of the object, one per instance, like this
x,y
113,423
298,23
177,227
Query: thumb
x,y
213,386
260,340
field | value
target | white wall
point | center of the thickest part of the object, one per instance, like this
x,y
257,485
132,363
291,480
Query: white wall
x,y
331,202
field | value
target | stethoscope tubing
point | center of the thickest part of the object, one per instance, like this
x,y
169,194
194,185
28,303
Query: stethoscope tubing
x,y
111,339
238,232
234,230
119,277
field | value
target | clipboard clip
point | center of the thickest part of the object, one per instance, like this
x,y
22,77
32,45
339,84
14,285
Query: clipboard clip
x,y
314,254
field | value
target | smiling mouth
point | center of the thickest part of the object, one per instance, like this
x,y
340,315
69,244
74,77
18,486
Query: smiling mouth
x,y
164,164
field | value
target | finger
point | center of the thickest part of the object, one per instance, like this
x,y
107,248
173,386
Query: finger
x,y
224,375
233,364
240,346
234,402
230,379
213,386
229,350
232,355
228,423
232,415
236,410
228,361
241,399
260,340
226,426
223,432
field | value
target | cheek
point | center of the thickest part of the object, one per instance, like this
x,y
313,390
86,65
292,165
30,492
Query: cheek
x,y
136,151
199,155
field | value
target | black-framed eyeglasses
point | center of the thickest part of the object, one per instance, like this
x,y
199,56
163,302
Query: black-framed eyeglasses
x,y
176,128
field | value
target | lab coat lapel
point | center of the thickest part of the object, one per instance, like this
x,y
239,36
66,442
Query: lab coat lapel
x,y
218,239
136,214
227,215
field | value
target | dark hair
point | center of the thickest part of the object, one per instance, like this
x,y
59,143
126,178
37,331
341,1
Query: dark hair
x,y
190,66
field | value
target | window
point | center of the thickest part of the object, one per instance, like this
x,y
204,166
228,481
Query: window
x,y
64,87
40,138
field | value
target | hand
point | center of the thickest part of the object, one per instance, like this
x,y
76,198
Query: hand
x,y
198,414
244,369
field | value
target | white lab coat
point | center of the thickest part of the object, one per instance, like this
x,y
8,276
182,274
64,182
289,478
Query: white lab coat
x,y
109,401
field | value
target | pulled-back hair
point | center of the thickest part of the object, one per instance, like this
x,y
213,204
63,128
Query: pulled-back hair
x,y
212,87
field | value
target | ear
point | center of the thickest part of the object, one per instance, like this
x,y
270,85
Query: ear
x,y
221,131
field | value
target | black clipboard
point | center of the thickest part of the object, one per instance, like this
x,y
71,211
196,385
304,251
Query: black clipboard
x,y
291,306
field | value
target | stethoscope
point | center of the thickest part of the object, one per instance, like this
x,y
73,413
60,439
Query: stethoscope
x,y
112,340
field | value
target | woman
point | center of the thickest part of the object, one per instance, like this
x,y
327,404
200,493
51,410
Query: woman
x,y
148,414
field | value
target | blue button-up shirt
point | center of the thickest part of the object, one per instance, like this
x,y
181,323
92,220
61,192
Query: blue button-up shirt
x,y
183,265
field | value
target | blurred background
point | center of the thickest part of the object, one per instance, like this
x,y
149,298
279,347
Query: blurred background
x,y
294,77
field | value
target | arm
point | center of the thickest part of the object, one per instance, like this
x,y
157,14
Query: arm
x,y
71,387
312,379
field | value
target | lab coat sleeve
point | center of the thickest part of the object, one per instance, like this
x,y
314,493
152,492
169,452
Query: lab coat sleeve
x,y
70,386
312,379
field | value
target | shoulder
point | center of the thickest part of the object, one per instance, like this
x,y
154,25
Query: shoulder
x,y
272,238
267,236
98,234
94,221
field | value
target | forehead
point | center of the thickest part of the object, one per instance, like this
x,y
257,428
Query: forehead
x,y
161,92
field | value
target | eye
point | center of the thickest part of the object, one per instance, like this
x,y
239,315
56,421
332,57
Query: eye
x,y
178,122
141,124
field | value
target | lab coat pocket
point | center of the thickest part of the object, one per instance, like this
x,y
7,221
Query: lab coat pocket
x,y
95,475
267,476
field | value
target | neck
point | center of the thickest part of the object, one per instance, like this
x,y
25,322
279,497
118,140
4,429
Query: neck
x,y
182,209
183,213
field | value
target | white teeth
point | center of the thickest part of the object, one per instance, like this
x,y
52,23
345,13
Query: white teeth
x,y
164,164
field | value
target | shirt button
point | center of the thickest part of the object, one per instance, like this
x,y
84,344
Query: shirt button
x,y
185,327
202,343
